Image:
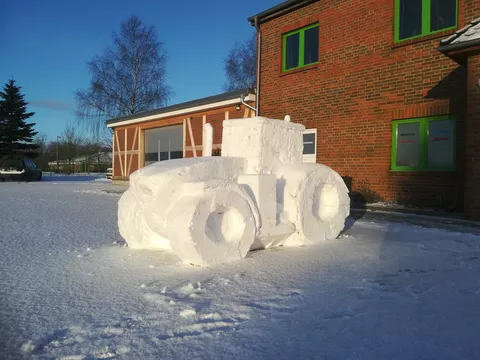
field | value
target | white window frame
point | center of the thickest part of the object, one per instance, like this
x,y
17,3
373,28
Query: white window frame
x,y
311,158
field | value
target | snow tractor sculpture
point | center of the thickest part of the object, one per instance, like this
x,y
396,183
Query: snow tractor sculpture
x,y
214,209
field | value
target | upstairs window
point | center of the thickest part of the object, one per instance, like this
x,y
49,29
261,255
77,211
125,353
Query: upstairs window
x,y
300,48
414,18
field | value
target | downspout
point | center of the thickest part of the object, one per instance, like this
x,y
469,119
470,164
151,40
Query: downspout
x,y
259,47
257,90
248,106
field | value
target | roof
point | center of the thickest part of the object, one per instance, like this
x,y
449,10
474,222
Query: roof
x,y
463,38
280,9
232,95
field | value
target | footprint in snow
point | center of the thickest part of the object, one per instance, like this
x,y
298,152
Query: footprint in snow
x,y
206,324
393,287
469,291
467,260
342,315
187,294
199,313
286,302
57,343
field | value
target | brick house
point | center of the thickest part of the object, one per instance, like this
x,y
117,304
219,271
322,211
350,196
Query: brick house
x,y
174,131
370,80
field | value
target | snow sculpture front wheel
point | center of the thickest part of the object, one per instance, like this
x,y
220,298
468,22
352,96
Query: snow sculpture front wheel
x,y
319,201
324,206
211,222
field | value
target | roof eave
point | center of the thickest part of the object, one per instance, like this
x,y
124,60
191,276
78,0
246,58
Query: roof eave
x,y
184,107
447,49
279,10
140,118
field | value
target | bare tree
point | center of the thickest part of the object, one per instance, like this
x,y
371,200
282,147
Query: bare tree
x,y
240,65
128,78
42,150
41,141
90,150
106,139
70,143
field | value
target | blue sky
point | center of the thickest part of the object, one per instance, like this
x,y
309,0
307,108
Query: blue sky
x,y
44,45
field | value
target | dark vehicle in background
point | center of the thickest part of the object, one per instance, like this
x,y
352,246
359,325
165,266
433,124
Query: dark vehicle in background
x,y
19,169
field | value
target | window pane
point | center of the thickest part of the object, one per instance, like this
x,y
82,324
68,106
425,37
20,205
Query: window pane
x,y
410,18
308,144
408,136
443,14
151,157
311,46
176,154
164,155
163,140
441,143
292,51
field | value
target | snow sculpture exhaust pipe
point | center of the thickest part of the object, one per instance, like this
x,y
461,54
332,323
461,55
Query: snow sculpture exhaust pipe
x,y
258,194
208,139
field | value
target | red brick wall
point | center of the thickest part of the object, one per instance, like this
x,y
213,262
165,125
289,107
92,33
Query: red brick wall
x,y
472,183
362,82
472,9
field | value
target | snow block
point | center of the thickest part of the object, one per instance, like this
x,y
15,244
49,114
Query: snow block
x,y
263,190
156,185
258,194
207,139
132,225
265,143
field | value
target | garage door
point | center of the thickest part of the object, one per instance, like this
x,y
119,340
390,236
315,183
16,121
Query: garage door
x,y
163,143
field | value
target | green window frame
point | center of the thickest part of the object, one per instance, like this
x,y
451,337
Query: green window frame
x,y
423,144
301,46
426,8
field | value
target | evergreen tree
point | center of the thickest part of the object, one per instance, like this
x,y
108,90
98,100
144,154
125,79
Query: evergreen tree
x,y
16,135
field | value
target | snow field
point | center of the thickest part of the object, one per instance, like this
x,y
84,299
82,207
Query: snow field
x,y
71,289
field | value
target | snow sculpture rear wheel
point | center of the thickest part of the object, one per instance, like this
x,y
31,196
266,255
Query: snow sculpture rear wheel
x,y
211,223
128,214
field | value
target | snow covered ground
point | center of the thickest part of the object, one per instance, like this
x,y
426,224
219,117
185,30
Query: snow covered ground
x,y
383,290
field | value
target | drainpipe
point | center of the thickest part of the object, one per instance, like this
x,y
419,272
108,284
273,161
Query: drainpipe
x,y
257,90
248,106
259,47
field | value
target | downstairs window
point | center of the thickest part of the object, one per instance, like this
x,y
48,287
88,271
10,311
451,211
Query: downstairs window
x,y
424,144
